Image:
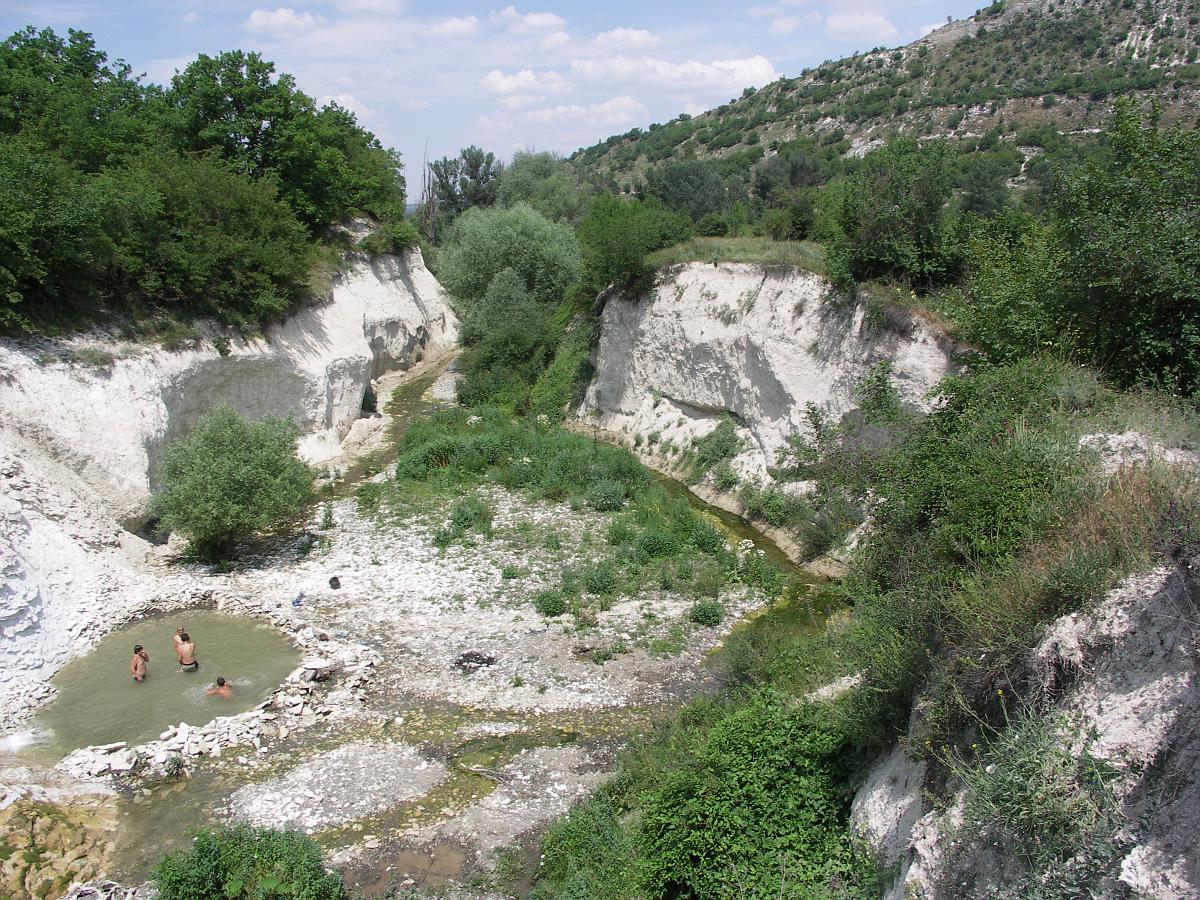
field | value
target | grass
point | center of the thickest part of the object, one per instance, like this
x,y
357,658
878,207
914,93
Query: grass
x,y
763,251
447,458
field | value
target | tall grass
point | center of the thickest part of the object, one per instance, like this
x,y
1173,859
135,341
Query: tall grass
x,y
764,251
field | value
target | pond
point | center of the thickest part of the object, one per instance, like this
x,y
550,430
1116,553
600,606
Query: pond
x,y
98,702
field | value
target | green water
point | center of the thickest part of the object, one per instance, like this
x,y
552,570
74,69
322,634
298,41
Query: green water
x,y
98,701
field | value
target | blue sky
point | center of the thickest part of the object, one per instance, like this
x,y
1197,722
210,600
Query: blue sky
x,y
545,76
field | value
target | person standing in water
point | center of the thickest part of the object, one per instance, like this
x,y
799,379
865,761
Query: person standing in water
x,y
221,689
137,665
186,651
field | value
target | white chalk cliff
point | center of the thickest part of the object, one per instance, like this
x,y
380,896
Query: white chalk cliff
x,y
79,444
756,343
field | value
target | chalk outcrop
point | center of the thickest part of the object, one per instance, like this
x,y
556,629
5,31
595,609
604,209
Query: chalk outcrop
x,y
109,422
1121,681
755,343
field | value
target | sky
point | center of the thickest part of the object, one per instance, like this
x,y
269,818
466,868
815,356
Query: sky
x,y
429,78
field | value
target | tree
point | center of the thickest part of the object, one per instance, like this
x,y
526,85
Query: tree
x,y
229,478
483,242
891,217
689,186
617,235
65,95
547,183
326,165
1129,228
464,181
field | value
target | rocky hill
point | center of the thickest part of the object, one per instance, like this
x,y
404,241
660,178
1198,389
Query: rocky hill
x,y
1019,66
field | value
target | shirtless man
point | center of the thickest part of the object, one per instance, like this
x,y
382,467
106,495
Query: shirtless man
x,y
137,665
186,651
221,689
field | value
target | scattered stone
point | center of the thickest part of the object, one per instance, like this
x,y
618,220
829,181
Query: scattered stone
x,y
473,660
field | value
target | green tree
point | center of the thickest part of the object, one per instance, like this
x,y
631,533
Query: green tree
x,y
327,167
1130,232
53,247
690,186
202,239
65,95
484,242
229,478
463,182
547,183
618,234
243,863
892,217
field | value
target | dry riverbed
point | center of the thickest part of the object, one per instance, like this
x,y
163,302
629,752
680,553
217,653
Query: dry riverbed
x,y
438,722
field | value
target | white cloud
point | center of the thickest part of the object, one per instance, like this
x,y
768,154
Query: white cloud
x,y
627,39
348,101
379,7
784,25
556,40
869,27
523,82
190,17
280,22
617,111
523,23
456,27
720,75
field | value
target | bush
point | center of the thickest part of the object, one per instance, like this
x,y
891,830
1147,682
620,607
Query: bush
x,y
484,242
243,863
229,478
550,603
707,612
600,578
718,446
617,235
606,496
755,802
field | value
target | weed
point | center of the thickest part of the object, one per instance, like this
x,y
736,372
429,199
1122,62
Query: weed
x,y
707,612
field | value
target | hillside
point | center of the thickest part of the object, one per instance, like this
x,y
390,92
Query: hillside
x,y
1020,65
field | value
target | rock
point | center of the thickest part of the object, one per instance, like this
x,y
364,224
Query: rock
x,y
473,660
335,582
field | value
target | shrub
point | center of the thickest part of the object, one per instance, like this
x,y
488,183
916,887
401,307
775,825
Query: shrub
x,y
550,603
891,216
243,863
483,242
707,612
600,578
718,446
754,802
606,496
229,478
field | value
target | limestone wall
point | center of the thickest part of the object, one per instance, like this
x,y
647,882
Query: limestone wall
x,y
109,423
752,342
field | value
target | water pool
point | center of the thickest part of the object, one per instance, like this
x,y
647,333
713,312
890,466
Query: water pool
x,y
98,702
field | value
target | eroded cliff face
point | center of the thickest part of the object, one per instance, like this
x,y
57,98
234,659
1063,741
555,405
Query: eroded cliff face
x,y
754,343
110,423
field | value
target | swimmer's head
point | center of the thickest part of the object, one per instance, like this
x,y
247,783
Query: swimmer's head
x,y
183,636
220,682
137,648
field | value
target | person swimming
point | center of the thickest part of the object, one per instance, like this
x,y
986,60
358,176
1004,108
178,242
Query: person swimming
x,y
185,649
221,689
137,665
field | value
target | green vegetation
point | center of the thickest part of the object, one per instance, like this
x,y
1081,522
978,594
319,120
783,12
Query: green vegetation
x,y
651,538
120,200
229,478
243,863
1112,276
764,251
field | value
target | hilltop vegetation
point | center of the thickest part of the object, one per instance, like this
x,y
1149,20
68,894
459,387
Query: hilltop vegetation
x,y
151,205
1027,71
